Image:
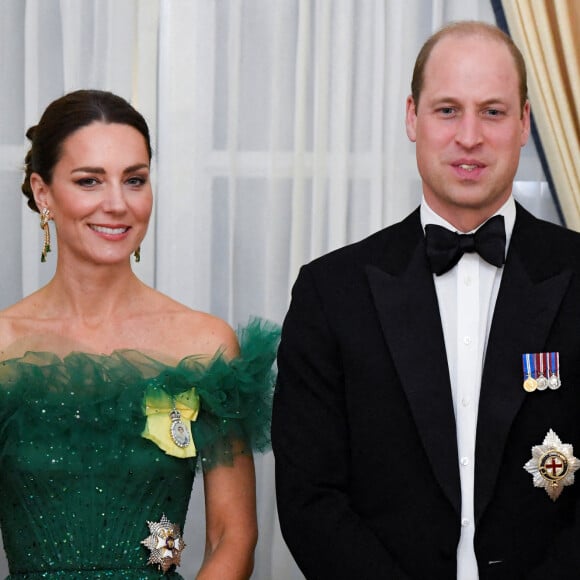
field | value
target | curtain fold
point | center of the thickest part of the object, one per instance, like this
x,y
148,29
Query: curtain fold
x,y
548,33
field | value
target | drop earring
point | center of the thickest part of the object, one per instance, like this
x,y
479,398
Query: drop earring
x,y
44,219
137,254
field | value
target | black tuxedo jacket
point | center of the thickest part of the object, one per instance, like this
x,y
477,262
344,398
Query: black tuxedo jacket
x,y
363,430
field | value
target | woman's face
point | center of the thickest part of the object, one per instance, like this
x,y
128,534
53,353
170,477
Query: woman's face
x,y
100,197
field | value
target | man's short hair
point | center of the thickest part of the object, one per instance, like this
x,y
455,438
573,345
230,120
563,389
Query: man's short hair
x,y
463,29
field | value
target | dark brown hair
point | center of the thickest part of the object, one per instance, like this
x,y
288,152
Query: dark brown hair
x,y
62,118
468,28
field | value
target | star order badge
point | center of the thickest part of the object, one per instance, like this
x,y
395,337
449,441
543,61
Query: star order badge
x,y
552,465
165,544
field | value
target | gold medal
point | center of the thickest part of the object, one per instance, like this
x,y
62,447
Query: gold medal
x,y
530,384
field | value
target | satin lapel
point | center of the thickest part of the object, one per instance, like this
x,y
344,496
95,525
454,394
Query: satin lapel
x,y
409,314
523,316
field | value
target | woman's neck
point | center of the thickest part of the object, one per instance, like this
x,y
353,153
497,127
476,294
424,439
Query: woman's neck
x,y
93,295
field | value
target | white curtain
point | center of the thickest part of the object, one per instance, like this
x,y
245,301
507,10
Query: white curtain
x,y
278,134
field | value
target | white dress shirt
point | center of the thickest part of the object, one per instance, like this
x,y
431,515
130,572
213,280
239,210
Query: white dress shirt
x,y
467,294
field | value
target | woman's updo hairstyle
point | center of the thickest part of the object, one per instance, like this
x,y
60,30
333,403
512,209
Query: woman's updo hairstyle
x,y
65,116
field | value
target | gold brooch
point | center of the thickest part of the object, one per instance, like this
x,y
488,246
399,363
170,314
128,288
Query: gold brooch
x,y
552,465
165,543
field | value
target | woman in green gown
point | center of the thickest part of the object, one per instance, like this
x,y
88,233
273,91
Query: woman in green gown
x,y
111,393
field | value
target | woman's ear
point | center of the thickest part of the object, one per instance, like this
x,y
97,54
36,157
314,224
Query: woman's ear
x,y
40,190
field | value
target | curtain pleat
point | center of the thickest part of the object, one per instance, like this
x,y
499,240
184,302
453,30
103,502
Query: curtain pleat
x,y
547,33
30,235
378,51
567,17
185,126
278,204
340,176
299,237
320,124
234,52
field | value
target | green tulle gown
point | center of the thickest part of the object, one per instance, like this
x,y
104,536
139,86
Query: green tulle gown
x,y
82,471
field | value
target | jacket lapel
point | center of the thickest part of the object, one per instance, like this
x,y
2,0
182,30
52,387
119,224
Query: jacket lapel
x,y
407,307
524,313
404,295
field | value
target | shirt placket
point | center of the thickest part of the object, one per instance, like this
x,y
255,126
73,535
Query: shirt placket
x,y
468,376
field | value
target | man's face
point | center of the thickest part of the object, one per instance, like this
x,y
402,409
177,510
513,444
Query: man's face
x,y
468,128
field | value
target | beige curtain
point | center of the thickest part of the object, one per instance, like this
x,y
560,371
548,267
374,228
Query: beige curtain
x,y
548,33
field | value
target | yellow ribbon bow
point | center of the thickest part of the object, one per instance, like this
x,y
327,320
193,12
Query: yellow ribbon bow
x,y
158,408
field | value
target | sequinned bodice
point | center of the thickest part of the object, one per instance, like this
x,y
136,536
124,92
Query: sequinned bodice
x,y
79,481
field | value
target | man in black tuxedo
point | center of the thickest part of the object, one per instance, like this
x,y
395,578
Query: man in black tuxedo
x,y
402,430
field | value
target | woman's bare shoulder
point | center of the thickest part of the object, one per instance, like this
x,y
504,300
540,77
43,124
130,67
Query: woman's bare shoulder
x,y
207,334
192,331
25,308
19,320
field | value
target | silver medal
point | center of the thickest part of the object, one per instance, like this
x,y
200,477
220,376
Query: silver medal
x,y
552,465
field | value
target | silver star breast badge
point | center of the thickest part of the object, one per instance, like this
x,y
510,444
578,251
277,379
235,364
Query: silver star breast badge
x,y
165,544
552,465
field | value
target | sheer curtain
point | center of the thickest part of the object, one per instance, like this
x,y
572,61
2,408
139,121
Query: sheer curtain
x,y
279,135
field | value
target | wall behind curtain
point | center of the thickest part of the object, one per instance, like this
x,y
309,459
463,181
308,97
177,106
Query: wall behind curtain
x,y
279,135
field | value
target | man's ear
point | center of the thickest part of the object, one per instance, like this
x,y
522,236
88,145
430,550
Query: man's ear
x,y
526,123
411,119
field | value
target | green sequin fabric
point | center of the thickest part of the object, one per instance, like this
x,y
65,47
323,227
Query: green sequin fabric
x,y
78,482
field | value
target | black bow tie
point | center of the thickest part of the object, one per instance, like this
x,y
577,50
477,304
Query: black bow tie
x,y
445,248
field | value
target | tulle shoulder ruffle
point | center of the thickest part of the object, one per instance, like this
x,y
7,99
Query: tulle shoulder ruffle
x,y
105,395
235,397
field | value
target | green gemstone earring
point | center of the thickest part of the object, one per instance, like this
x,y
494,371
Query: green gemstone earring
x,y
44,219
